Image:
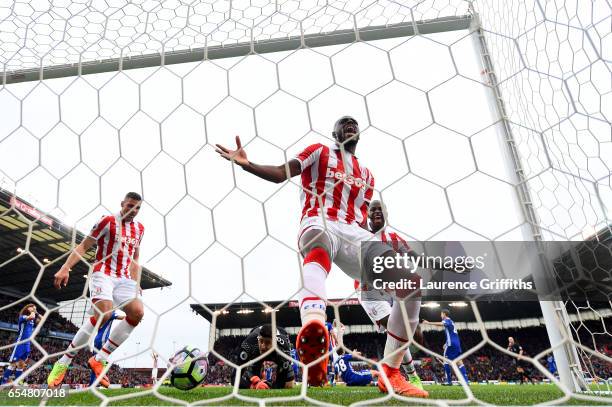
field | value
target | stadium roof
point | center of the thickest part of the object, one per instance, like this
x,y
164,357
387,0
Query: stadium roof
x,y
47,239
252,314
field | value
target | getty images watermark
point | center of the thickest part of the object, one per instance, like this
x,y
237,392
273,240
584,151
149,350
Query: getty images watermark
x,y
412,262
496,271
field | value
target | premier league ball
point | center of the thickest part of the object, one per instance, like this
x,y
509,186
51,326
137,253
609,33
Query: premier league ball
x,y
190,368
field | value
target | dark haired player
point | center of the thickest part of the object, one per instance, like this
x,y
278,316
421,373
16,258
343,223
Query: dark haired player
x,y
26,323
113,283
452,345
273,371
336,192
351,377
522,369
378,304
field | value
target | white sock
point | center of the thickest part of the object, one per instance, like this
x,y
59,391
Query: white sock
x,y
398,334
313,294
80,338
118,335
392,356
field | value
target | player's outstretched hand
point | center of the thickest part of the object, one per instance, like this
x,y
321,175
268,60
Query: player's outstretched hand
x,y
238,155
61,278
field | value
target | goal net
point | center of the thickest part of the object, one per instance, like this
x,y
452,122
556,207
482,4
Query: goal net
x,y
480,120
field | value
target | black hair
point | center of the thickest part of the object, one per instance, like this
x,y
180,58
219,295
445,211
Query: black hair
x,y
133,195
266,331
445,311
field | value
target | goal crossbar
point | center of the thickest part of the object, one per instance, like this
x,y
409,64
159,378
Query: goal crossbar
x,y
371,33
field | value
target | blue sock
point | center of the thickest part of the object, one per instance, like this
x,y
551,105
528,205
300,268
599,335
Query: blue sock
x,y
449,373
8,372
464,373
18,373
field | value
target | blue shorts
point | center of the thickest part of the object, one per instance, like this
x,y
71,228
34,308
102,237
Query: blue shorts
x,y
362,378
21,352
452,352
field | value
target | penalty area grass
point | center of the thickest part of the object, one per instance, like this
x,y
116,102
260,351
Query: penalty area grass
x,y
502,394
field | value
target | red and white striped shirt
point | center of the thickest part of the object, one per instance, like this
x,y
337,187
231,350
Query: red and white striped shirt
x,y
391,237
339,188
398,243
117,240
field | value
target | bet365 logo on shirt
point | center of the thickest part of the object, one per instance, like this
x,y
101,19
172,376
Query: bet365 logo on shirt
x,y
129,240
346,178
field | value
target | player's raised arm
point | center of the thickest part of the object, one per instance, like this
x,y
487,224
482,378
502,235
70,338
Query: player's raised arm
x,y
426,322
61,277
272,173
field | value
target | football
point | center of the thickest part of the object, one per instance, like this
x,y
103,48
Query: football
x,y
190,368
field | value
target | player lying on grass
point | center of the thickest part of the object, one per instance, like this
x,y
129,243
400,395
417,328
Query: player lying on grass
x,y
344,369
377,303
452,345
273,371
26,323
336,192
113,283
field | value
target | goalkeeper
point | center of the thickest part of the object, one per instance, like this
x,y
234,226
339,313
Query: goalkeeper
x,y
273,371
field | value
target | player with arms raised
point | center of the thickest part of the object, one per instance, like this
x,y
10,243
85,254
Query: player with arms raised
x,y
336,192
113,282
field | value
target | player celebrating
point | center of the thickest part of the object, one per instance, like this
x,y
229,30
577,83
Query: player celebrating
x,y
378,305
452,345
113,282
273,371
26,323
336,192
344,369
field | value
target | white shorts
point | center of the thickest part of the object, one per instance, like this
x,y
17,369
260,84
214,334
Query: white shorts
x,y
345,240
377,310
119,290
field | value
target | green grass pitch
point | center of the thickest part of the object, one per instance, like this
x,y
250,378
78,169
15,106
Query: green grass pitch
x,y
494,394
